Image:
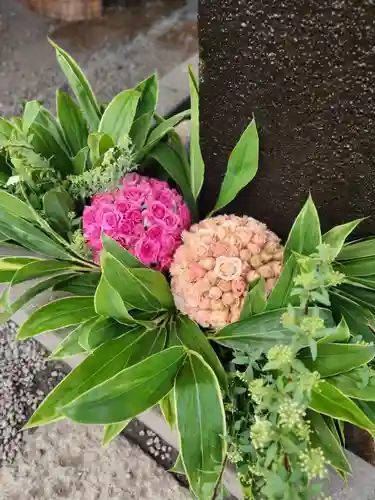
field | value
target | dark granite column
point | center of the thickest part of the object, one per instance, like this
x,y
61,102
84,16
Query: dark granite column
x,y
306,69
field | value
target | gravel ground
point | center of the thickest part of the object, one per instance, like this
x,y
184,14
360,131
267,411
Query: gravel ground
x,y
65,460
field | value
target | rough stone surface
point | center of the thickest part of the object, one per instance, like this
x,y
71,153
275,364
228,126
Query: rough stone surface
x,y
66,461
306,69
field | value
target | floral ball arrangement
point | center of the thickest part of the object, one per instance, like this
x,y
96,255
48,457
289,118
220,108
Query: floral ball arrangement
x,y
144,215
218,259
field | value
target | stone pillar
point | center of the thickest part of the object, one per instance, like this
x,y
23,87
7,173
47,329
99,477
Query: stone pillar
x,y
306,69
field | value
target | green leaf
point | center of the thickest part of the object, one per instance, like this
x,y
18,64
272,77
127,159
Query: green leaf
x,y
46,145
148,90
64,312
281,294
255,300
201,425
140,130
363,296
84,284
28,236
330,401
196,159
336,236
100,331
14,206
192,337
341,334
41,268
178,466
171,162
167,408
80,87
119,115
364,266
143,289
305,235
357,318
351,384
333,359
120,253
105,362
111,431
72,122
6,128
29,294
70,346
80,161
10,265
242,166
113,308
358,249
98,144
130,392
57,204
322,437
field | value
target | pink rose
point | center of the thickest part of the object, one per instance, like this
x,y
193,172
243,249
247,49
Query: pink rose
x,y
103,198
126,228
135,194
171,222
147,251
131,179
155,233
156,211
134,216
101,210
156,184
164,197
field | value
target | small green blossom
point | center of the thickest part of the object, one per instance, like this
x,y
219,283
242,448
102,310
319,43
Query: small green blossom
x,y
313,463
261,432
78,244
288,319
282,354
257,390
234,455
312,325
291,414
309,381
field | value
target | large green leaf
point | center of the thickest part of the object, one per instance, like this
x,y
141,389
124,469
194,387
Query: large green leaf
x,y
171,162
364,266
193,338
201,425
148,90
98,144
130,392
57,206
119,115
143,289
333,359
340,334
327,399
305,235
354,386
13,205
357,318
70,346
281,294
80,87
242,166
120,253
29,236
61,313
46,145
323,437
6,129
336,236
140,130
168,410
196,160
255,300
363,296
113,308
358,249
80,161
84,284
105,362
100,331
41,268
72,122
111,431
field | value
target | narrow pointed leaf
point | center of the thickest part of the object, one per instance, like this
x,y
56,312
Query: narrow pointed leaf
x,y
328,400
80,161
46,145
111,431
351,384
72,122
201,425
196,159
9,266
15,206
242,166
130,392
149,91
139,132
255,300
57,205
100,331
99,143
80,86
358,249
305,234
167,408
341,334
114,308
84,284
362,267
120,253
119,115
61,313
336,236
70,346
281,294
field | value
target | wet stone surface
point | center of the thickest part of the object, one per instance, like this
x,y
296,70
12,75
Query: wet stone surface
x,y
306,69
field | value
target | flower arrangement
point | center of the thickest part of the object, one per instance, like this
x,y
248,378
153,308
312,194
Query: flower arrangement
x,y
257,352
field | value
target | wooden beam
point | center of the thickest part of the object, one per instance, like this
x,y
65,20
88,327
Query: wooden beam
x,y
67,10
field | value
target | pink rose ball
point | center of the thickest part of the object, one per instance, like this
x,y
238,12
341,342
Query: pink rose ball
x,y
212,270
144,215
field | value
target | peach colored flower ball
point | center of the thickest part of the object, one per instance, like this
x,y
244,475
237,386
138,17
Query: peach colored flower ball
x,y
218,259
